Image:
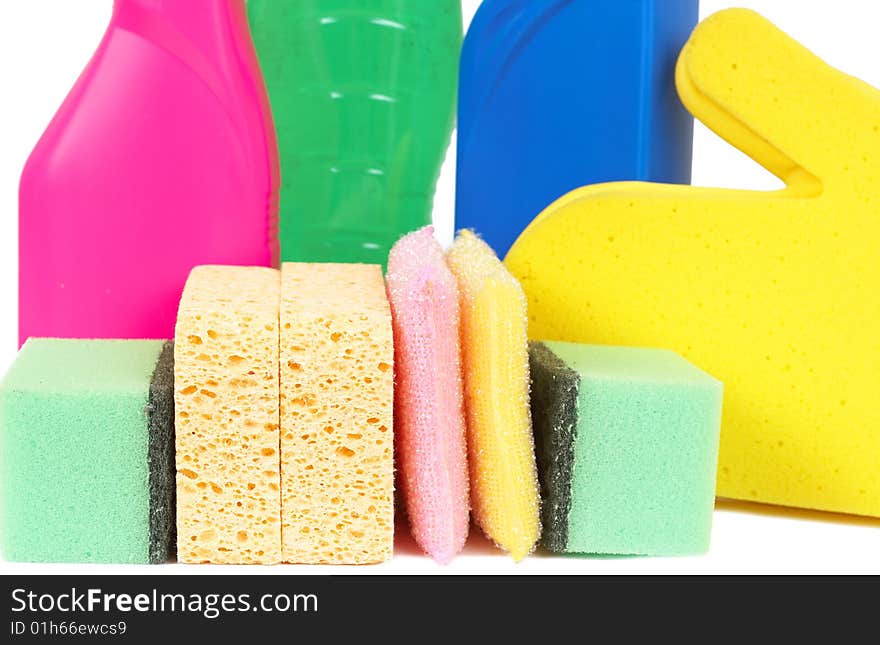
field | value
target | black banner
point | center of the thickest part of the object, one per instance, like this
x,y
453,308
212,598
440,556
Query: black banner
x,y
143,608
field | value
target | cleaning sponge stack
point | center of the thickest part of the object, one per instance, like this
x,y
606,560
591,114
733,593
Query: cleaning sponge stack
x,y
281,387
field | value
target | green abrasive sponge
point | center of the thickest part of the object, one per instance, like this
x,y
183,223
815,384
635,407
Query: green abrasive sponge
x,y
86,452
627,443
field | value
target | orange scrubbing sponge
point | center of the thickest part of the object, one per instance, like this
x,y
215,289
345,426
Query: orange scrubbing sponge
x,y
504,487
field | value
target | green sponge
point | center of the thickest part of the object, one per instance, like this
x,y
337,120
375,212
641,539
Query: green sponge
x,y
86,461
627,443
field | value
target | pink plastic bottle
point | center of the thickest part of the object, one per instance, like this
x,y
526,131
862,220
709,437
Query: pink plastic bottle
x,y
162,157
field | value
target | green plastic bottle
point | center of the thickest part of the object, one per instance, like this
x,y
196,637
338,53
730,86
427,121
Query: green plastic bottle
x,y
363,94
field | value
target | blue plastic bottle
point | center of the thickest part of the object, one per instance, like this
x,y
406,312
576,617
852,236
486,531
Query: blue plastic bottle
x,y
556,94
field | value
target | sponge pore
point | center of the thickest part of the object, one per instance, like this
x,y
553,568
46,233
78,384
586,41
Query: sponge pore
x,y
504,487
628,443
86,459
226,408
337,398
428,399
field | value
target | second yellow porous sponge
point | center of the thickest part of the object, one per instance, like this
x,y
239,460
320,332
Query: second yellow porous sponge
x,y
495,362
337,446
773,293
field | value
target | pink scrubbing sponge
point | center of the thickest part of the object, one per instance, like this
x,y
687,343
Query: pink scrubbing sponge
x,y
430,430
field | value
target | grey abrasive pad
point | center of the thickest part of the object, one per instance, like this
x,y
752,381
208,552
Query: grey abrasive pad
x,y
160,421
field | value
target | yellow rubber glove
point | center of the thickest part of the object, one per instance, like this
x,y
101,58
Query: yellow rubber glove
x,y
774,293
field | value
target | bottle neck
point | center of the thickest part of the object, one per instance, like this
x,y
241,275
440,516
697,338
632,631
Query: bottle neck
x,y
207,24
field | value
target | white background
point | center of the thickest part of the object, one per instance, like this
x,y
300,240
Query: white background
x,y
44,44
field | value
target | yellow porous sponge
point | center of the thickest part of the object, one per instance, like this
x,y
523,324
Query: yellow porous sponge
x,y
774,293
226,414
337,397
495,363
